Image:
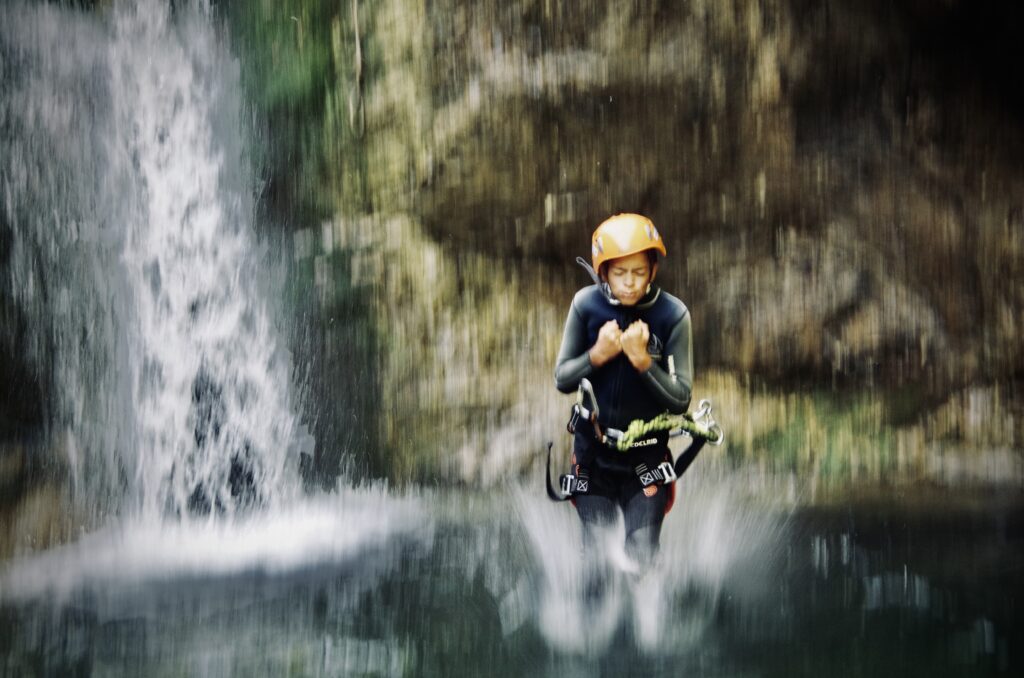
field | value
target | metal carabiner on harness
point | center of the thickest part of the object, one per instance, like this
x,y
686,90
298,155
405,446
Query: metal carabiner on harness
x,y
586,388
580,411
703,417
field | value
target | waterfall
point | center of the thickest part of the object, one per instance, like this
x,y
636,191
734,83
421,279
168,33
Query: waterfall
x,y
146,304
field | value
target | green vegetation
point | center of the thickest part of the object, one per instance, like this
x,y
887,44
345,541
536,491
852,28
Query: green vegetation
x,y
302,67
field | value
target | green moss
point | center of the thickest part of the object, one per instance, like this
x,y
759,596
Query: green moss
x,y
299,73
836,437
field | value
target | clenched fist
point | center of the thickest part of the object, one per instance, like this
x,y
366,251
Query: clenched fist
x,y
634,345
607,345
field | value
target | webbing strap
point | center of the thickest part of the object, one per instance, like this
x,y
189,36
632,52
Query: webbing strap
x,y
662,474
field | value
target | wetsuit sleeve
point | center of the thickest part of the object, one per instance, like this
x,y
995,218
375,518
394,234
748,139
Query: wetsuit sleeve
x,y
674,390
573,362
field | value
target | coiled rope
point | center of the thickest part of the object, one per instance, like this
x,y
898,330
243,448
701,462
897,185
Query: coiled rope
x,y
638,429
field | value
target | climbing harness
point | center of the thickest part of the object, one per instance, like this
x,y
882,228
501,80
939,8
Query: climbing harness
x,y
700,426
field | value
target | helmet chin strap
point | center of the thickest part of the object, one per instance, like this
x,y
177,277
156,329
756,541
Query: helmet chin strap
x,y
600,283
589,269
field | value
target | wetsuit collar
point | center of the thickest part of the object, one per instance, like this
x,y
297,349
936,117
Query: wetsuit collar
x,y
648,299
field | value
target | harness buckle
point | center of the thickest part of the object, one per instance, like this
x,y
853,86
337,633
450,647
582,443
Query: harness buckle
x,y
572,485
668,472
568,484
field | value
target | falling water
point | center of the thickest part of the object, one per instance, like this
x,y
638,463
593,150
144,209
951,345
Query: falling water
x,y
126,187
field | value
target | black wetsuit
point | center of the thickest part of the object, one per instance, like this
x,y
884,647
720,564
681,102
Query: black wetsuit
x,y
623,394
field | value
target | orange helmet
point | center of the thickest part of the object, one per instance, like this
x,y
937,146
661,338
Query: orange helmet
x,y
622,235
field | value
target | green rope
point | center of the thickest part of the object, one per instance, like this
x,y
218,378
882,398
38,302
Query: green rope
x,y
638,428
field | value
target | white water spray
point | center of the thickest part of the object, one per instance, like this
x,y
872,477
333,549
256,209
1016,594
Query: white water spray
x,y
714,535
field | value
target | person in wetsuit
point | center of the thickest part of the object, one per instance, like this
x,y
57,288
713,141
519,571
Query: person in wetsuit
x,y
632,340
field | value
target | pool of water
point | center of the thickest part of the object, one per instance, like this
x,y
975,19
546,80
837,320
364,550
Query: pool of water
x,y
367,582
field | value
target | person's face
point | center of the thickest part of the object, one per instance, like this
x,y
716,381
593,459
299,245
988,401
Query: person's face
x,y
629,276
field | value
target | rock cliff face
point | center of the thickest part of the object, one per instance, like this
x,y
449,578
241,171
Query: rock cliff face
x,y
461,355
838,183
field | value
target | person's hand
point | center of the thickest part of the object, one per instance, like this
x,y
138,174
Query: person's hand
x,y
634,345
607,345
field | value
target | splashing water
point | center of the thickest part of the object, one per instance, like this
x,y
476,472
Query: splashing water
x,y
325,530
714,535
134,262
